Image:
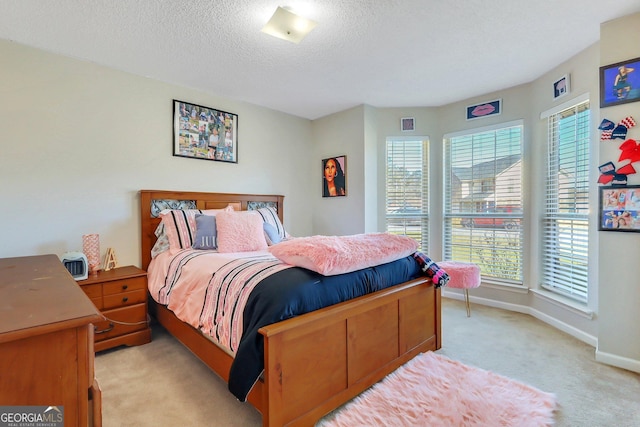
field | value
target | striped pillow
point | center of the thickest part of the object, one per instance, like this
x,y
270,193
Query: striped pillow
x,y
270,216
180,226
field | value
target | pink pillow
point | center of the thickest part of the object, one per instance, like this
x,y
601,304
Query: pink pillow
x,y
240,232
180,225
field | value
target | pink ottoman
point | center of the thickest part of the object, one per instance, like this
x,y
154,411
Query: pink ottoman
x,y
462,275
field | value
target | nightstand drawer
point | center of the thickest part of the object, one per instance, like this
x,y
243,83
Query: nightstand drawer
x,y
98,303
121,295
133,317
117,286
124,299
93,291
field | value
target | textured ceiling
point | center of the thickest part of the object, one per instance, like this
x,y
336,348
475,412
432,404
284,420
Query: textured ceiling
x,y
385,53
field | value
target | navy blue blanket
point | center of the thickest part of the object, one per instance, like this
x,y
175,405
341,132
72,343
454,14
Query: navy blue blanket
x,y
296,291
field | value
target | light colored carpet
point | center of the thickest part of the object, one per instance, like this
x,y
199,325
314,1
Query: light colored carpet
x,y
162,384
433,390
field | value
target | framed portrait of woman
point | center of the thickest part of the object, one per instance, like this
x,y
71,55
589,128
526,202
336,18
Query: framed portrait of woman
x,y
334,176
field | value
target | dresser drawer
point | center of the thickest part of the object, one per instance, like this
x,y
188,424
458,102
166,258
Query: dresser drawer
x,y
124,299
134,317
126,285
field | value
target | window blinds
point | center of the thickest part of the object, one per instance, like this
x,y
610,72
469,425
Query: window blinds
x,y
565,228
483,201
407,189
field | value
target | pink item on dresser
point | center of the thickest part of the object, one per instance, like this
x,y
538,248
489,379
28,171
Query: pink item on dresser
x,y
91,249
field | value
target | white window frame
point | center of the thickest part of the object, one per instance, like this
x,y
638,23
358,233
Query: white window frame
x,y
408,216
564,251
485,246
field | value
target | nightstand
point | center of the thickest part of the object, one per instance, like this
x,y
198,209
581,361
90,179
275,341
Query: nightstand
x,y
121,296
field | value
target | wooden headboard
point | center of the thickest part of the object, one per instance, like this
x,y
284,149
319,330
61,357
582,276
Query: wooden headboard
x,y
151,201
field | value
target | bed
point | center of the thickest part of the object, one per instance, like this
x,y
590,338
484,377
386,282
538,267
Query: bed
x,y
314,362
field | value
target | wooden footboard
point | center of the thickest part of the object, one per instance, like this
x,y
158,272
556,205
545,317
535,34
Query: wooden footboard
x,y
316,362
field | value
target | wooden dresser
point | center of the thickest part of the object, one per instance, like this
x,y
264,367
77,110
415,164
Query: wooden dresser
x,y
121,295
46,340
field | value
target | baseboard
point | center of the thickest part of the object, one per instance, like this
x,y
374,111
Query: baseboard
x,y
518,308
488,302
564,327
600,356
617,361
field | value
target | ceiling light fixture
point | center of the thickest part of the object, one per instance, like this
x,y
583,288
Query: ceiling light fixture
x,y
286,25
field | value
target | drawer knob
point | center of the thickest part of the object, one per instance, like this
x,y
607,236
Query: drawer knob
x,y
125,299
125,287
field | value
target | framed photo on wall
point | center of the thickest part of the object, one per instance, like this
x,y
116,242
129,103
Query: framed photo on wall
x,y
486,109
620,83
334,176
407,124
619,208
561,87
206,133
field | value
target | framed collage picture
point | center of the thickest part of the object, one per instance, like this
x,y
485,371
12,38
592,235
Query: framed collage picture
x,y
619,208
204,133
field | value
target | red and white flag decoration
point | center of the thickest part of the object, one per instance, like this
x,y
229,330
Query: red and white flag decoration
x,y
609,131
630,150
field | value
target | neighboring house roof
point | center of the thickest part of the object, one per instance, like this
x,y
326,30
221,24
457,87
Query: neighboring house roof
x,y
478,197
489,169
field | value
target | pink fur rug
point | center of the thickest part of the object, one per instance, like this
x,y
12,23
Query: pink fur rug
x,y
432,390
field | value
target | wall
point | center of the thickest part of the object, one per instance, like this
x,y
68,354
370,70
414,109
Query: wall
x,y
618,253
79,140
370,169
335,135
610,319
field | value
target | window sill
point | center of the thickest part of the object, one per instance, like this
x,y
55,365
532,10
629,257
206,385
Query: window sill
x,y
565,303
520,289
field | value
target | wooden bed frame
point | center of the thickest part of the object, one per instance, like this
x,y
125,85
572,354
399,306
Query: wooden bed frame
x,y
315,362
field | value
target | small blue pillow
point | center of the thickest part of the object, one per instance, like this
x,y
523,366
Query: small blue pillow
x,y
205,232
271,231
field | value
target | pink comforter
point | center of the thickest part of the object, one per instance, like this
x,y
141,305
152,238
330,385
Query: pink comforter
x,y
331,255
208,290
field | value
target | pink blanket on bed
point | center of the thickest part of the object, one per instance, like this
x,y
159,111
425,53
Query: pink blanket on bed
x,y
331,255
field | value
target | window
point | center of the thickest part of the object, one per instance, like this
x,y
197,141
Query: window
x,y
565,240
407,189
483,201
